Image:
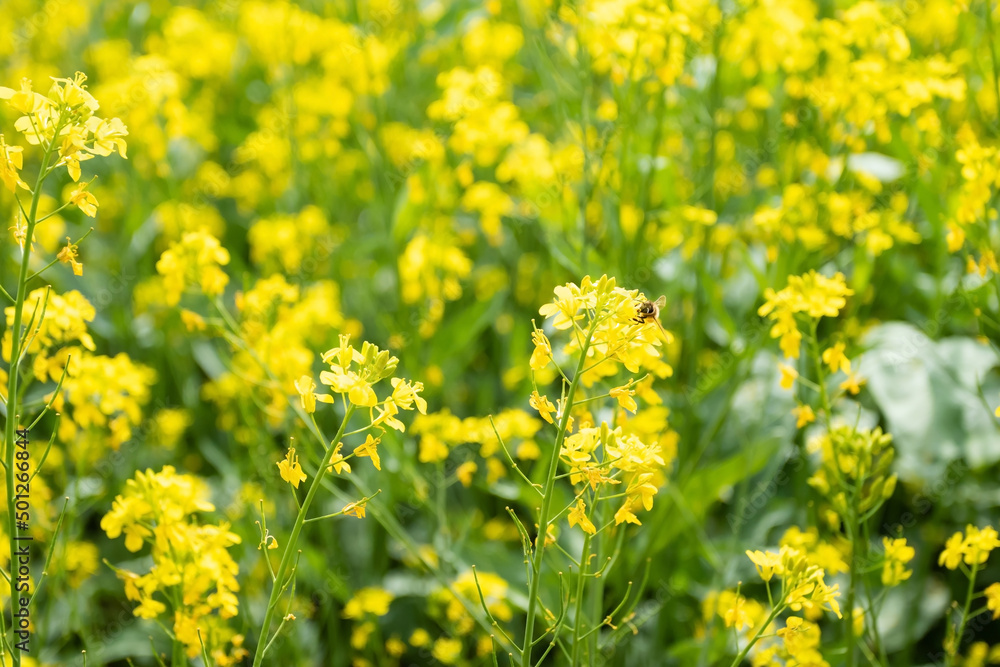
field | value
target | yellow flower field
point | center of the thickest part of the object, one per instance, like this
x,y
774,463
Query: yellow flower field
x,y
532,333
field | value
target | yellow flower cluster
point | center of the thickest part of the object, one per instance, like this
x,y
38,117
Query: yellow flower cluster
x,y
606,316
604,456
813,294
980,177
431,271
194,260
831,556
736,610
103,398
192,573
854,471
981,654
282,242
818,219
870,73
897,555
802,581
374,601
62,121
441,432
495,594
608,332
281,325
56,320
972,548
637,39
353,373
484,123
799,646
174,219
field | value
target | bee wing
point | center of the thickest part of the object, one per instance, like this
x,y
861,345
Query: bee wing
x,y
661,302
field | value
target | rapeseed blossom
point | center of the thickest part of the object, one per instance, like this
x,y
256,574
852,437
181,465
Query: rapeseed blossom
x,y
812,294
193,576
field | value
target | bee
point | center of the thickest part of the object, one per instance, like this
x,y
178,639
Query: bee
x,y
649,311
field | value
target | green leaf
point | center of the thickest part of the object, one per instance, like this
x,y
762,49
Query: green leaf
x,y
931,396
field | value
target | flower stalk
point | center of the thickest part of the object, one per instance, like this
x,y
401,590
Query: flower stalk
x,y
289,554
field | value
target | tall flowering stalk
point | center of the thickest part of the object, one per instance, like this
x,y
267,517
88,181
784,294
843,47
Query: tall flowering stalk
x,y
351,375
605,463
802,589
854,477
64,128
969,552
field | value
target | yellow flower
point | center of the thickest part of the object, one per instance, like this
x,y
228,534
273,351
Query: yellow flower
x,y
11,162
853,384
25,100
405,395
736,616
812,294
337,462
68,255
368,601
767,563
358,391
361,393
624,395
835,359
643,489
788,376
369,448
290,469
992,593
543,405
190,562
578,515
804,415
192,320
953,552
84,200
446,650
195,259
897,554
387,415
542,354
565,309
307,399
356,509
108,136
465,472
395,647
979,543
625,515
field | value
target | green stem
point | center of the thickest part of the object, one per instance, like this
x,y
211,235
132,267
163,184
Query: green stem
x,y
597,589
178,658
851,593
543,516
13,404
746,649
578,616
953,649
824,396
289,554
879,645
